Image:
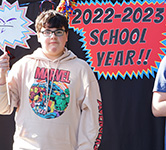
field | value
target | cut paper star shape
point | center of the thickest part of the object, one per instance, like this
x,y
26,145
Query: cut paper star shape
x,y
14,26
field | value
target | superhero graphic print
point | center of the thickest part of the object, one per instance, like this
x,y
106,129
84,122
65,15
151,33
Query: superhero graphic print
x,y
49,100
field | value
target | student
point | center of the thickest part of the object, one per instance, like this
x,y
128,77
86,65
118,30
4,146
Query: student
x,y
159,91
56,94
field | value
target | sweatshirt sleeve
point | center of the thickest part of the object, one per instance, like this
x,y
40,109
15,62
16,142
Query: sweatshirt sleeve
x,y
5,107
9,93
91,122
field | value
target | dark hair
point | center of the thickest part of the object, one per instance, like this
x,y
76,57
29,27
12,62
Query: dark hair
x,y
51,19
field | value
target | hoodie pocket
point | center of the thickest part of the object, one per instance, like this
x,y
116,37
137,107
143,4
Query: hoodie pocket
x,y
46,134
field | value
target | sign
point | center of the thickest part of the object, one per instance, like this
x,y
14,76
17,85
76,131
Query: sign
x,y
125,39
14,26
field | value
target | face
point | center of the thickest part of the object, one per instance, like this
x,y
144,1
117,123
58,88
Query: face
x,y
52,46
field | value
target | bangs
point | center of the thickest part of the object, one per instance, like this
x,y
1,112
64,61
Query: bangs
x,y
56,22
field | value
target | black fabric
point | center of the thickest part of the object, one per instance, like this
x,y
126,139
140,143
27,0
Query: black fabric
x,y
128,120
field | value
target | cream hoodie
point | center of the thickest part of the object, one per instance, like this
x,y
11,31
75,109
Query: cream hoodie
x,y
62,114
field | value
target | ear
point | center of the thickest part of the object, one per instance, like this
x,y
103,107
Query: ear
x,y
67,36
38,37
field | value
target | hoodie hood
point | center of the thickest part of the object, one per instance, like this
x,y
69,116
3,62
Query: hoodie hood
x,y
39,55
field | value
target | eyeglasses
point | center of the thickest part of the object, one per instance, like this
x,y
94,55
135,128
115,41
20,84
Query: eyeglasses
x,y
48,33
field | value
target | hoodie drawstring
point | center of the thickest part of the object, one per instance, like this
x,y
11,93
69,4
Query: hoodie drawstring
x,y
48,94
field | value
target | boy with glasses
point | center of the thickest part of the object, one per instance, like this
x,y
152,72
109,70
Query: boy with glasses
x,y
56,94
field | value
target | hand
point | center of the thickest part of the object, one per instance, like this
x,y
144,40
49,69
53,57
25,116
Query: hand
x,y
4,67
